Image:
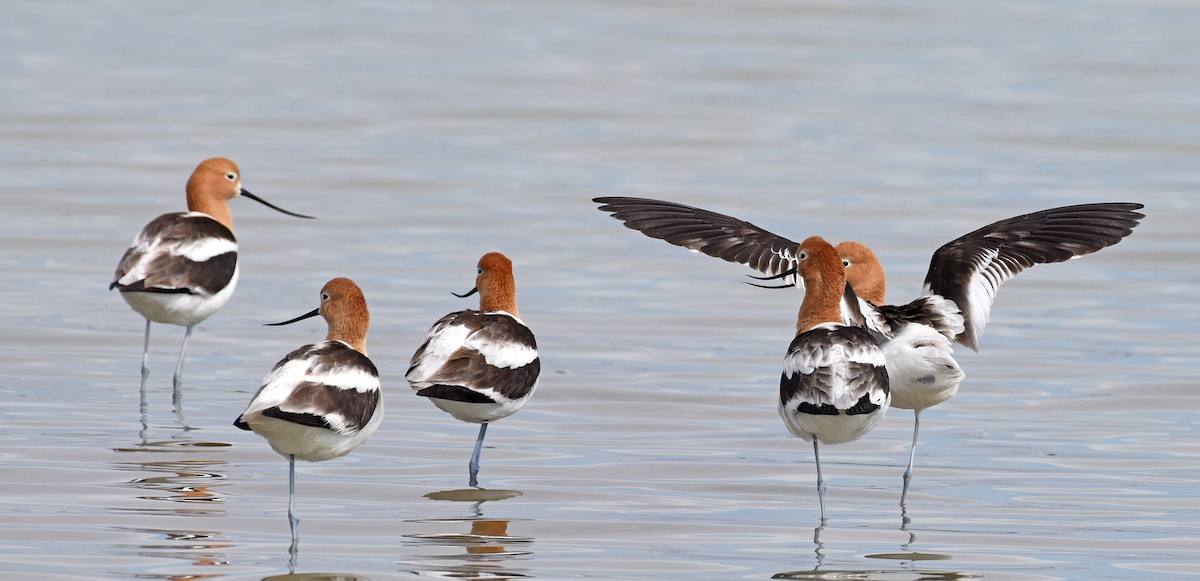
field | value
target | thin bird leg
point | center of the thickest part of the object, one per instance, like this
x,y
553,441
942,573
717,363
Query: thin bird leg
x,y
820,479
292,520
182,353
912,453
474,465
177,392
146,354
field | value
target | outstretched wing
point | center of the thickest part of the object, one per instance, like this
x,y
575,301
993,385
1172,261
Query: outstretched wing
x,y
699,230
970,269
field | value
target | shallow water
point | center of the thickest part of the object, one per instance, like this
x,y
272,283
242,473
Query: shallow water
x,y
427,133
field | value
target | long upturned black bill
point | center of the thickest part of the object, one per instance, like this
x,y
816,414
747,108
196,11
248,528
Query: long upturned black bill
x,y
273,206
784,274
307,315
469,293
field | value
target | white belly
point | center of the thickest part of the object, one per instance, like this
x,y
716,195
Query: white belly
x,y
180,308
825,429
921,368
310,443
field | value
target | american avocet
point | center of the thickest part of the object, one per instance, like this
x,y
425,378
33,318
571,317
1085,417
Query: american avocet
x,y
479,366
834,386
183,266
961,283
322,400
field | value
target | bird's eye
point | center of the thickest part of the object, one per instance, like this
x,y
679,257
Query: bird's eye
x,y
845,263
803,255
231,176
479,271
324,297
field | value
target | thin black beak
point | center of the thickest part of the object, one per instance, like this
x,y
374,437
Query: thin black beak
x,y
469,293
273,206
307,315
784,274
771,286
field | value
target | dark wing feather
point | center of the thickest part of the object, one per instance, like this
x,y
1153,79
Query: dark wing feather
x,y
714,234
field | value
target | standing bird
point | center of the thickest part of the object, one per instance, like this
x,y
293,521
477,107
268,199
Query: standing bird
x,y
960,285
183,266
479,366
834,386
322,400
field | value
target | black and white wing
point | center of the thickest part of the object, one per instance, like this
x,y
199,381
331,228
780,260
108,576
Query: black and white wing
x,y
970,269
834,384
699,230
179,253
325,385
476,357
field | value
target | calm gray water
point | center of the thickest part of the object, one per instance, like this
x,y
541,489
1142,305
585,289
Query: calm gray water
x,y
426,133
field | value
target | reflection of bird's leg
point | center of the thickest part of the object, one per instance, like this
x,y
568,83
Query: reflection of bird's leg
x,y
474,465
820,546
144,409
293,553
820,479
912,453
904,522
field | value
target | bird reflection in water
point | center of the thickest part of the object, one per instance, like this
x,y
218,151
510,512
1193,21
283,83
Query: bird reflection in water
x,y
172,476
176,476
913,564
190,552
482,552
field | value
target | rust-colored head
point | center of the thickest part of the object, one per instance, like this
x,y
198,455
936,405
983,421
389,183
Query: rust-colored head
x,y
495,284
824,277
216,181
864,272
345,311
213,183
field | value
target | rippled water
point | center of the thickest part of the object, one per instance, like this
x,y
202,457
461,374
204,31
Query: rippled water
x,y
426,133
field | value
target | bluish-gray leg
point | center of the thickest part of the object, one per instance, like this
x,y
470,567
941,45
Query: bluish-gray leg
x,y
182,353
474,465
146,355
177,393
820,479
912,453
293,521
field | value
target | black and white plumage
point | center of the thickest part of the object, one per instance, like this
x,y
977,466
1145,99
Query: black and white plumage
x,y
318,403
322,400
183,266
834,386
960,286
479,366
180,269
967,270
970,269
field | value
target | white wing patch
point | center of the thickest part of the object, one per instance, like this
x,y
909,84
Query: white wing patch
x,y
202,249
986,278
441,342
504,354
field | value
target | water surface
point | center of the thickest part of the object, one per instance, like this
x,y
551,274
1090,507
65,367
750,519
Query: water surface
x,y
428,133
